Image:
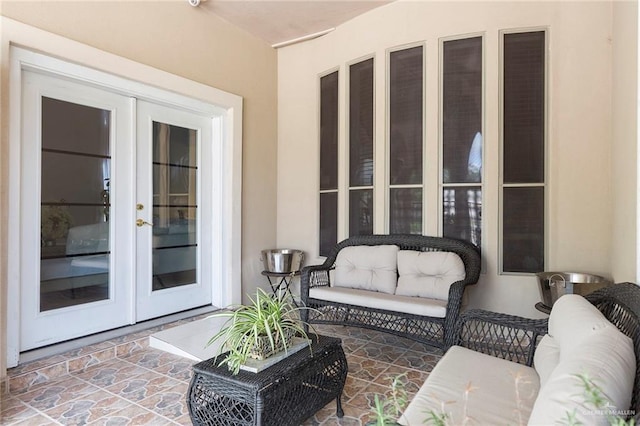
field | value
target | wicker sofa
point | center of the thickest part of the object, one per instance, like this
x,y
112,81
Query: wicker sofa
x,y
408,285
511,370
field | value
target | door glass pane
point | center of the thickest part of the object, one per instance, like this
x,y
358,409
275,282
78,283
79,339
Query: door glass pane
x,y
405,116
75,206
462,214
405,211
174,206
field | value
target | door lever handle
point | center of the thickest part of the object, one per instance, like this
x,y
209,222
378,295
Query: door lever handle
x,y
141,222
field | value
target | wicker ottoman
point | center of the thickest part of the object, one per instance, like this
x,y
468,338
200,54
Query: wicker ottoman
x,y
286,393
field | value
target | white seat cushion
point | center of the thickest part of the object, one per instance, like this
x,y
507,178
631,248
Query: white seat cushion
x,y
369,299
492,399
428,274
372,268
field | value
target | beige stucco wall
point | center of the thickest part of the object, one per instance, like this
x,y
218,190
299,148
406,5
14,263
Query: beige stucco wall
x,y
624,169
192,43
579,133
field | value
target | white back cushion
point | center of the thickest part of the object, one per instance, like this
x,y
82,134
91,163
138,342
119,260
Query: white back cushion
x,y
573,319
367,268
591,345
428,274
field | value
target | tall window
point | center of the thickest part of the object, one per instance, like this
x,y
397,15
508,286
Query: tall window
x,y
361,148
523,185
328,162
462,139
406,141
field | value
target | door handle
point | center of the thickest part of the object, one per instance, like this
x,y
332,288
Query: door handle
x,y
141,222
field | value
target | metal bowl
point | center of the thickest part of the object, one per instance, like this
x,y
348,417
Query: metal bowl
x,y
553,285
282,261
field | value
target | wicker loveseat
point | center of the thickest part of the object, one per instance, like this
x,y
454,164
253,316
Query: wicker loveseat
x,y
511,370
393,260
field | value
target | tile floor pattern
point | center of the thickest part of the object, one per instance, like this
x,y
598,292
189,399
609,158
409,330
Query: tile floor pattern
x,y
125,382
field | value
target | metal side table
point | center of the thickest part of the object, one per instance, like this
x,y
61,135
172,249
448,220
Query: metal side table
x,y
285,281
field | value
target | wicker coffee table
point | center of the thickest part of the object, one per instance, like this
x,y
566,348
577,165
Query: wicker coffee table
x,y
286,393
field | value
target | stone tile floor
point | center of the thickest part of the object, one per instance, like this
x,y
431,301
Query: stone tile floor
x,y
125,382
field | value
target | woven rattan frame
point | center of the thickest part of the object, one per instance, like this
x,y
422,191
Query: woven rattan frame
x,y
437,332
286,393
515,338
500,335
620,303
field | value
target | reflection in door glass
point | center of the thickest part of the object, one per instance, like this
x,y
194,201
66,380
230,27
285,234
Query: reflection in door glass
x,y
174,206
75,206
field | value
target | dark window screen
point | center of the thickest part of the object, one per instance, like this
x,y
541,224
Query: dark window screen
x,y
329,131
523,245
523,155
524,107
328,222
361,124
405,211
405,116
462,139
462,111
328,162
462,213
360,212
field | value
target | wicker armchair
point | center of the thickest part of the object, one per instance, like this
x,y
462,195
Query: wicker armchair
x,y
515,338
437,332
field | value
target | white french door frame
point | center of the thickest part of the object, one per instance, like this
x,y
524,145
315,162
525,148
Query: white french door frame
x,y
122,76
154,303
40,328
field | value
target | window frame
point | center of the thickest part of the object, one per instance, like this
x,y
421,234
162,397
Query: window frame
x,y
483,126
387,145
546,174
345,197
337,191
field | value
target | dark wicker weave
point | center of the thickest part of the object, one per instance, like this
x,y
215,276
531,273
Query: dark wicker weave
x,y
620,303
504,336
515,338
438,332
286,393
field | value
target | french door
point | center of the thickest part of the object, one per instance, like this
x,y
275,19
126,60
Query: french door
x,y
174,210
115,219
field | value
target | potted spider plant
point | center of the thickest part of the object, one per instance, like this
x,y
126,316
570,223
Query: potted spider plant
x,y
263,328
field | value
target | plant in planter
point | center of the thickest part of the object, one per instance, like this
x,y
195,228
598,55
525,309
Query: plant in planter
x,y
263,328
55,222
386,409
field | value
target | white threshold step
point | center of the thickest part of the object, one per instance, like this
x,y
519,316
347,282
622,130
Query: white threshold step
x,y
190,340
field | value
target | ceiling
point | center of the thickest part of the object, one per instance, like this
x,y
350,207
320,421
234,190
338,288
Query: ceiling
x,y
283,22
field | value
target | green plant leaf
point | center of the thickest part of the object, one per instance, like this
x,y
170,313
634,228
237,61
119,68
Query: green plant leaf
x,y
271,316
